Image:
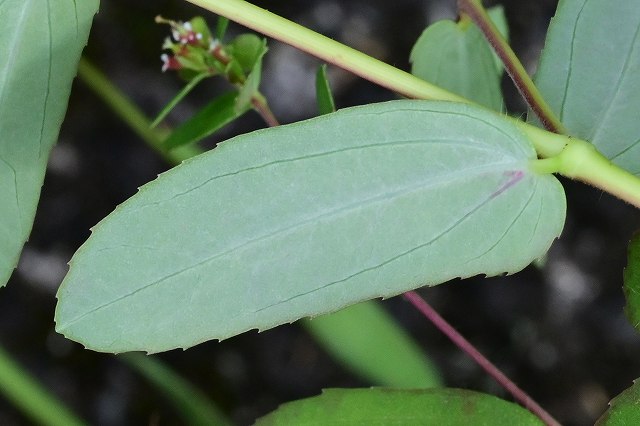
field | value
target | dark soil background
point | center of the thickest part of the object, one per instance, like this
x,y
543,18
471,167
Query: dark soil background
x,y
558,331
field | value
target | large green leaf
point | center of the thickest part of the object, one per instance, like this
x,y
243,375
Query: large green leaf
x,y
455,56
366,339
589,74
305,219
624,409
383,407
40,45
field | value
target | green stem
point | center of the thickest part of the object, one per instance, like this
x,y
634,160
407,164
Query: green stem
x,y
474,10
28,395
130,113
327,49
355,61
581,161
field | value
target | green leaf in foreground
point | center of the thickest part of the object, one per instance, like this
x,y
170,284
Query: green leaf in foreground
x,y
624,409
40,45
456,57
632,282
308,218
379,406
589,74
217,114
367,340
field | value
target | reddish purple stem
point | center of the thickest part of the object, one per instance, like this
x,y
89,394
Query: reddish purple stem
x,y
519,395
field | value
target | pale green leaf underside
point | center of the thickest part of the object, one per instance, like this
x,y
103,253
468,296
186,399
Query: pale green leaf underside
x,y
380,406
589,74
305,219
456,57
40,44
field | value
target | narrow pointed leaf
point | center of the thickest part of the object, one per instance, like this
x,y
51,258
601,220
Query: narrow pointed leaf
x,y
368,341
589,74
379,406
217,114
308,218
180,96
456,57
195,408
40,45
221,27
324,98
632,282
623,409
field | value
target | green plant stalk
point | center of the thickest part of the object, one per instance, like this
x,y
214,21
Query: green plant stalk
x,y
580,160
603,175
474,10
325,48
130,113
194,406
36,402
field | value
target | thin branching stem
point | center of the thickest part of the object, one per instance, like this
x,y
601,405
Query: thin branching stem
x,y
477,13
521,396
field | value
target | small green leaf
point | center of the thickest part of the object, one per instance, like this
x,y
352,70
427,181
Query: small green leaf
x,y
40,46
247,49
251,86
632,282
379,406
184,92
308,218
456,57
194,406
367,340
217,114
199,26
624,409
221,27
324,97
589,74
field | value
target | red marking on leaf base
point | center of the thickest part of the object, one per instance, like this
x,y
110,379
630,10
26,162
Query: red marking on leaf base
x,y
514,177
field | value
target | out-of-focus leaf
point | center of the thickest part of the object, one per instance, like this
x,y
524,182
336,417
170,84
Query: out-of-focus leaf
x,y
30,397
200,26
308,218
184,92
589,74
624,409
40,46
218,113
247,49
632,282
196,408
456,57
221,27
366,339
376,406
324,97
